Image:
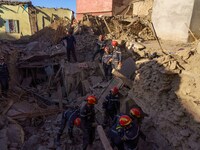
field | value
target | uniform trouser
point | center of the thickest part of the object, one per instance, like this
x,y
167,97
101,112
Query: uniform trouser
x,y
4,86
101,52
71,51
108,71
62,127
88,137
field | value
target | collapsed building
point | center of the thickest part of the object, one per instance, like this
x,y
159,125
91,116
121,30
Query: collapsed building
x,y
159,76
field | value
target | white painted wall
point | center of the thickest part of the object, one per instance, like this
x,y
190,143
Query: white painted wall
x,y
169,18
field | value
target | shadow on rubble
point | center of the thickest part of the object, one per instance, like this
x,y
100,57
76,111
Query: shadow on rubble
x,y
168,124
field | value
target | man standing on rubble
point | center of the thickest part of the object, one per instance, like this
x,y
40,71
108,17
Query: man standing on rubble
x,y
87,114
117,56
111,106
99,48
130,132
4,77
70,118
70,43
107,63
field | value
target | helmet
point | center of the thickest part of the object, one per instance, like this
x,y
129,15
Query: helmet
x,y
125,120
77,122
91,99
135,112
115,90
114,43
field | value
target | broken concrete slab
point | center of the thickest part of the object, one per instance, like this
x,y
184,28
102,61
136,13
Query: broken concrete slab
x,y
3,139
128,68
32,143
14,134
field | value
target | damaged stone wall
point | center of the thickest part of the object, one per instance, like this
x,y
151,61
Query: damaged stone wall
x,y
167,92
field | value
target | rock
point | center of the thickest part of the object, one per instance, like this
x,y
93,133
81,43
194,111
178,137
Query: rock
x,y
51,143
173,65
32,143
3,121
14,133
42,148
185,133
21,107
3,139
14,145
198,48
138,46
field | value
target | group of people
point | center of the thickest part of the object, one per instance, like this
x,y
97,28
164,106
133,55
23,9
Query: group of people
x,y
123,129
110,56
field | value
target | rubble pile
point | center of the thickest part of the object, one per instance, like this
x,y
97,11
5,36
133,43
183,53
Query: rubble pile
x,y
165,89
53,33
120,27
162,81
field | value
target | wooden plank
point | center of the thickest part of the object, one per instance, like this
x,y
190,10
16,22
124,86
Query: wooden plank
x,y
103,138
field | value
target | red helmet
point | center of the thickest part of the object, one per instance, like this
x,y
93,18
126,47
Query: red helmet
x,y
77,122
114,43
91,99
135,112
125,120
115,90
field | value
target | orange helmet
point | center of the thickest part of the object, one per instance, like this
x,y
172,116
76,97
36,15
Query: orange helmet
x,y
125,120
114,43
77,122
91,99
115,90
135,112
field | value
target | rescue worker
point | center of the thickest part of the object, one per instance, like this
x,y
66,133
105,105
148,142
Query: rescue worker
x,y
4,77
111,106
130,132
70,43
136,115
87,115
116,56
99,48
107,63
70,118
115,134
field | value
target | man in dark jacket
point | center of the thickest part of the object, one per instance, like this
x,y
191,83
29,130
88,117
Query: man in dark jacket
x,y
87,115
130,132
111,106
116,56
70,118
70,43
107,63
115,133
99,48
4,77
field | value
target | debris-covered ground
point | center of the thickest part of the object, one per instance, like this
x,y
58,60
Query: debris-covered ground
x,y
163,81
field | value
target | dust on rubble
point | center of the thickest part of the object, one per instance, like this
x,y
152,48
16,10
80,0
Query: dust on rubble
x,y
165,85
